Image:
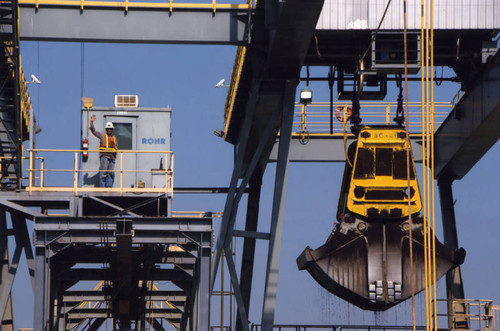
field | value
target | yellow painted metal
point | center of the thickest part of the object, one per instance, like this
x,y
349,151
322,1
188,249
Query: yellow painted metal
x,y
190,214
167,302
121,175
75,188
233,86
97,287
126,5
371,181
75,174
31,174
303,118
25,100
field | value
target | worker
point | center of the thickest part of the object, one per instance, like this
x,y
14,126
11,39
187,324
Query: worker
x,y
107,153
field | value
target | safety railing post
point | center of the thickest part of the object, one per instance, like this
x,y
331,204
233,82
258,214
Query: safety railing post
x,y
42,173
171,173
31,170
167,174
303,118
121,173
388,114
75,175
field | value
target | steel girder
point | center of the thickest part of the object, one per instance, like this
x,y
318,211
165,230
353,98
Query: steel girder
x,y
96,24
73,248
471,129
130,251
19,231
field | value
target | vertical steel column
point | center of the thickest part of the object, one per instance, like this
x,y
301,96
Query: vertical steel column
x,y
273,259
41,284
23,240
5,264
203,293
9,267
230,207
247,259
227,243
454,284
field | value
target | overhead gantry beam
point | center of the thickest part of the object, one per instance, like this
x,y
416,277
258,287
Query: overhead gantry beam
x,y
133,25
471,129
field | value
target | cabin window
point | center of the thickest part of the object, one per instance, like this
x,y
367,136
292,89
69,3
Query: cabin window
x,y
123,134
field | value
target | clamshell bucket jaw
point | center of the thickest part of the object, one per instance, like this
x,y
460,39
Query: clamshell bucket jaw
x,y
368,263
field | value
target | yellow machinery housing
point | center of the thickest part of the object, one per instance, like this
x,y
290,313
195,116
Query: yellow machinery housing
x,y
379,182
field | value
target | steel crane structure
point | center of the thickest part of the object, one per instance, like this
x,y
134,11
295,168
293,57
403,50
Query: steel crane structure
x,y
275,40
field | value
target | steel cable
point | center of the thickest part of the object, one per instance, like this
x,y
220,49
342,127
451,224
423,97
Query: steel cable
x,y
412,277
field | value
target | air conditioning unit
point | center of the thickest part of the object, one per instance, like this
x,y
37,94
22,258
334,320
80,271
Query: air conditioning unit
x,y
126,101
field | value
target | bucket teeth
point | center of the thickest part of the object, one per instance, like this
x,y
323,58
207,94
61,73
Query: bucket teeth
x,y
368,263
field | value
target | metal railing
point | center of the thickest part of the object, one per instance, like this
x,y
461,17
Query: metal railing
x,y
170,5
316,119
38,171
478,314
191,214
290,327
496,317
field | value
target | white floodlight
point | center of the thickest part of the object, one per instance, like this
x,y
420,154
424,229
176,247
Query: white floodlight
x,y
306,96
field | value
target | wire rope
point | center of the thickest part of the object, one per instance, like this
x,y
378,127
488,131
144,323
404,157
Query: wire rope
x,y
424,158
82,68
433,248
345,143
412,276
427,93
38,86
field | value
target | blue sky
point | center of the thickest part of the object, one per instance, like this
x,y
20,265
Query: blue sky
x,y
183,77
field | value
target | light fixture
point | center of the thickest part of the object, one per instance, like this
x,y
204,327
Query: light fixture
x,y
306,96
219,133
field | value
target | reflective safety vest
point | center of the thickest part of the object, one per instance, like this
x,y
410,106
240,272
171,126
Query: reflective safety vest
x,y
109,144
